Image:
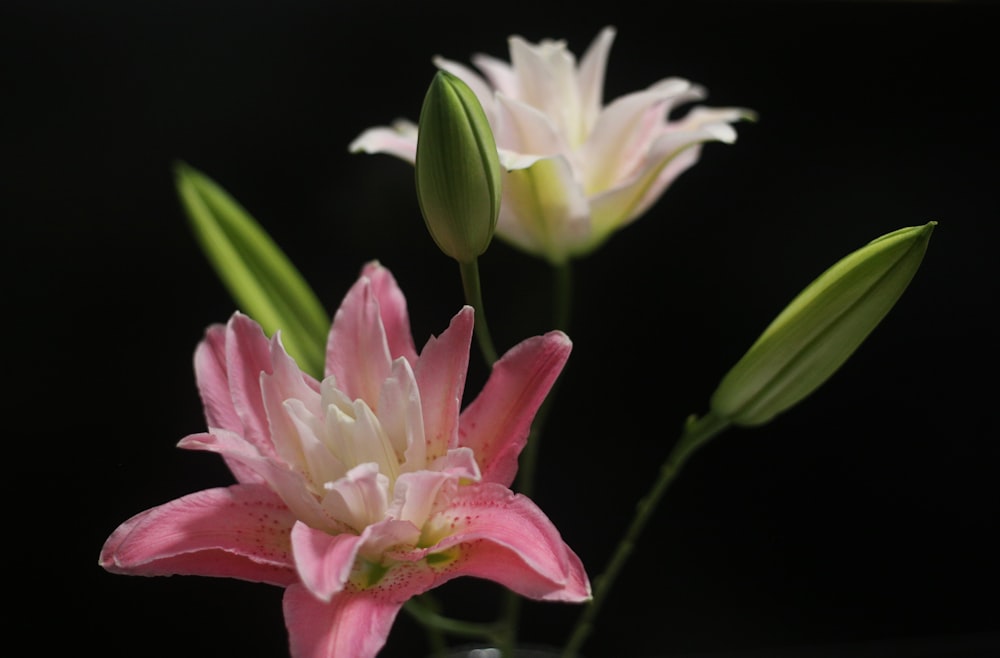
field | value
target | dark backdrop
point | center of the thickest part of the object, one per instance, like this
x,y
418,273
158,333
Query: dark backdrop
x,y
862,519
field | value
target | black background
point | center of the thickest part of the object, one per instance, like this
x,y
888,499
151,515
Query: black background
x,y
862,522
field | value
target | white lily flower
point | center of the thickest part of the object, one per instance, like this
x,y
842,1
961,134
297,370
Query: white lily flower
x,y
576,170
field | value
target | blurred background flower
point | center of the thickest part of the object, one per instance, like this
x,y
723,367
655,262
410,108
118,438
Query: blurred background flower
x,y
576,169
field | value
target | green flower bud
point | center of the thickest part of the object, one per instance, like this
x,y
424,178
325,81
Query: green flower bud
x,y
457,169
821,328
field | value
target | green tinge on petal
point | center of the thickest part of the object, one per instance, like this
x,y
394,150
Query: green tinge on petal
x,y
821,328
543,207
368,574
444,558
258,275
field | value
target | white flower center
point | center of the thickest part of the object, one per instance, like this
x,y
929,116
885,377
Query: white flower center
x,y
351,452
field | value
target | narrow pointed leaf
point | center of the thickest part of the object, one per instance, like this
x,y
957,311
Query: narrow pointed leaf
x,y
255,271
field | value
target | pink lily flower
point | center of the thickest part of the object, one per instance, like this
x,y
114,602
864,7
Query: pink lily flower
x,y
576,170
360,491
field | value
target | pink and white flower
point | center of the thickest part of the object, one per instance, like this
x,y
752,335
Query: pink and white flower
x,y
577,170
359,491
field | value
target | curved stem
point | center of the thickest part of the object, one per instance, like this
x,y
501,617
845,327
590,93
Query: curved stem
x,y
696,433
474,297
435,636
433,620
562,296
562,292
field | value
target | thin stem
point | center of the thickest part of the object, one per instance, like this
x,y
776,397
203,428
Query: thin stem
x,y
527,469
562,297
432,619
474,297
696,433
425,603
562,292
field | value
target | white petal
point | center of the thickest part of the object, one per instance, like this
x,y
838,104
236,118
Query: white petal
x,y
511,160
314,459
460,462
499,73
521,128
590,78
330,394
360,498
543,210
401,417
678,90
546,76
622,137
668,157
286,383
399,140
714,120
416,493
358,438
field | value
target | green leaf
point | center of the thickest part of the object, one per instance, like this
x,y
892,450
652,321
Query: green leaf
x,y
259,276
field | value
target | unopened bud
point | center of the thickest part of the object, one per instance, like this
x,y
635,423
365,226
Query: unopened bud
x,y
457,169
821,328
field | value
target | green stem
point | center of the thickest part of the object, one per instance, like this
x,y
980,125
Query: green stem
x,y
433,620
696,433
526,476
426,604
562,291
474,297
562,295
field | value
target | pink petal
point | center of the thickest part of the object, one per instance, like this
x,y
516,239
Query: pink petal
x,y
506,538
240,532
324,561
213,380
248,354
352,625
440,373
459,462
496,424
402,419
416,495
216,388
357,353
392,309
282,382
286,483
379,538
370,329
